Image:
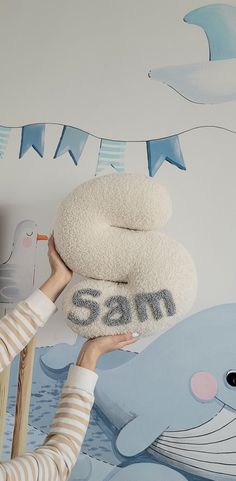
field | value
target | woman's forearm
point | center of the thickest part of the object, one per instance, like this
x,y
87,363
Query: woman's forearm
x,y
20,325
59,453
87,358
54,286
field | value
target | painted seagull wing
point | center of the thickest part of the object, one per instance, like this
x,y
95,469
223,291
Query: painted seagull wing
x,y
138,434
203,83
8,287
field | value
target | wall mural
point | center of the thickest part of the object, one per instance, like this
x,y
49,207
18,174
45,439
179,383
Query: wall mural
x,y
177,421
18,271
210,82
182,415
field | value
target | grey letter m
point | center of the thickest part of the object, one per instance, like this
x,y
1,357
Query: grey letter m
x,y
153,299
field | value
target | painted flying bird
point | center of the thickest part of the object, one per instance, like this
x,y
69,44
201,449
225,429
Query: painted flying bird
x,y
210,82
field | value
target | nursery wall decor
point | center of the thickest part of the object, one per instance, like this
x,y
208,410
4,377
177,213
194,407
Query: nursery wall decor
x,y
95,100
128,87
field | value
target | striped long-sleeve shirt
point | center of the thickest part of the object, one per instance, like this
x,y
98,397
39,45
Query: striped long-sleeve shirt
x,y
54,460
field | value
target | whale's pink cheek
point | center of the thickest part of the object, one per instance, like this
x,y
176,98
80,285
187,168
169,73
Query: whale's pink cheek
x,y
203,385
27,242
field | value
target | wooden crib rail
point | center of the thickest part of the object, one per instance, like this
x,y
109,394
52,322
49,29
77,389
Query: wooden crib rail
x,y
4,384
22,400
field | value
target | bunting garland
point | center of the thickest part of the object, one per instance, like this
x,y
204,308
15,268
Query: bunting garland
x,y
111,152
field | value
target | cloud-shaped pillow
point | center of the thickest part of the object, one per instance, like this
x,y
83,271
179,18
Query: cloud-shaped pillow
x,y
138,279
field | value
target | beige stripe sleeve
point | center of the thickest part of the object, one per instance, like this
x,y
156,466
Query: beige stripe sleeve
x,y
20,325
55,459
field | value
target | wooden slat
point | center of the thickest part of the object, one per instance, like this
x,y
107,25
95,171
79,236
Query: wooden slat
x,y
4,385
23,399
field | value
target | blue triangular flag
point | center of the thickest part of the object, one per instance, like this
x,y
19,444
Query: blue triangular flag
x,y
72,141
164,149
32,136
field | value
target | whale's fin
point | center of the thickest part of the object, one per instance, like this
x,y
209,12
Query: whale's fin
x,y
138,434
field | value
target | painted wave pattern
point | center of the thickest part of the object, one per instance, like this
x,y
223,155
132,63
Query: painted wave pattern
x,y
35,437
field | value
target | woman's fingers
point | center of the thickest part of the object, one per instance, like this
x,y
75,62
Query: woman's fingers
x,y
51,248
125,337
111,343
126,343
128,338
57,265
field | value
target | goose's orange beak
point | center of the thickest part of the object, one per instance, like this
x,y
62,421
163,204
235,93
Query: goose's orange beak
x,y
42,237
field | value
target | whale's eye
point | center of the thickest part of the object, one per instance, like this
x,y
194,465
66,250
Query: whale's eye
x,y
231,378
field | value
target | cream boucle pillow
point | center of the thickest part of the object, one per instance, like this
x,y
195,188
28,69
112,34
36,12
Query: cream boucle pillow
x,y
138,279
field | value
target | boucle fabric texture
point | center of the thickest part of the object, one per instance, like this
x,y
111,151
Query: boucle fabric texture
x,y
138,279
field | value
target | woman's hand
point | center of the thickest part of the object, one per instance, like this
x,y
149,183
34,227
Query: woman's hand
x,y
60,273
58,267
94,348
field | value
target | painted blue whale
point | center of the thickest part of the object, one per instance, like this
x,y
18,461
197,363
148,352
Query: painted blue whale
x,y
167,399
